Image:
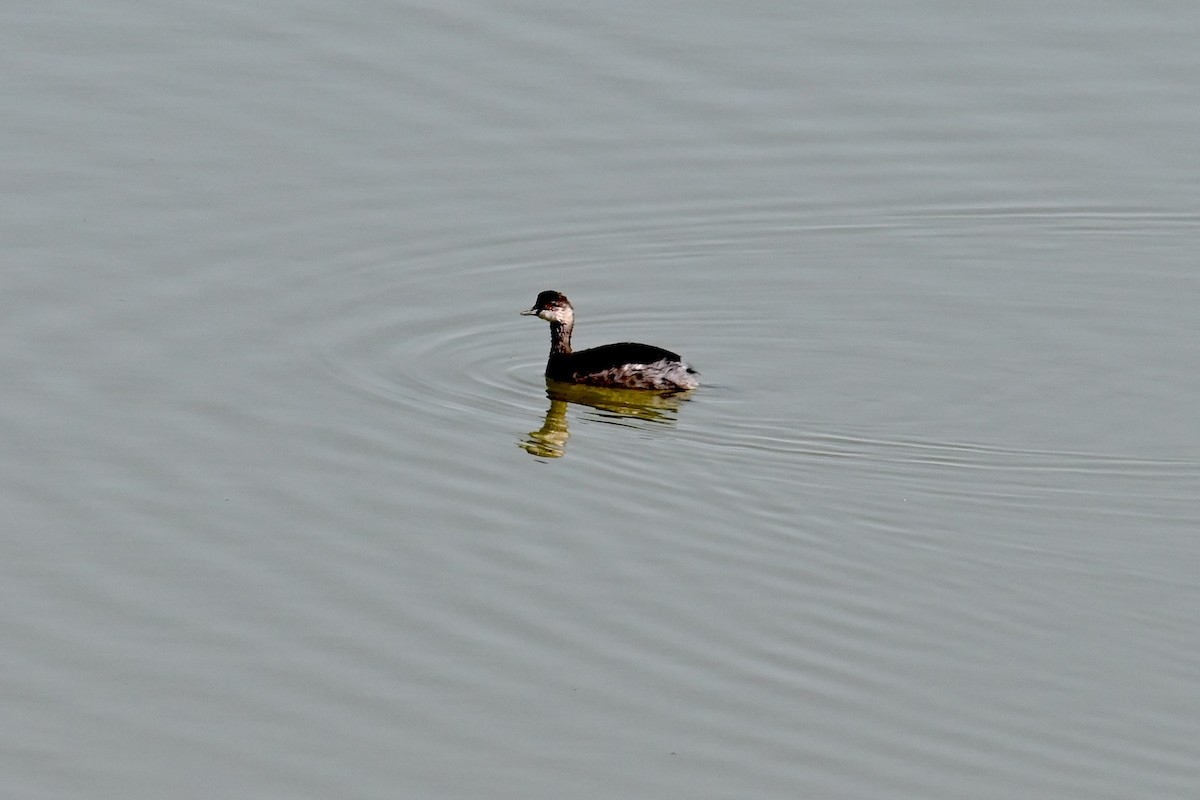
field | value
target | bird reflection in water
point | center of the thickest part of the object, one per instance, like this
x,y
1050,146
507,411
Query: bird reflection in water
x,y
628,407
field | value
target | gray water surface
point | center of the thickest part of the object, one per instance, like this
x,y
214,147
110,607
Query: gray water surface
x,y
289,513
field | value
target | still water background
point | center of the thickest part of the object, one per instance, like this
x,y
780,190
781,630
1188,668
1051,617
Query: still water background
x,y
274,523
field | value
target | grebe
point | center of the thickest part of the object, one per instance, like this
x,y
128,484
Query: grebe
x,y
626,365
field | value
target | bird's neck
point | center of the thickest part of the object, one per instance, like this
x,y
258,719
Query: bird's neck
x,y
560,338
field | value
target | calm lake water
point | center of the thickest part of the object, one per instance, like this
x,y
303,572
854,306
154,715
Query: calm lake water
x,y
288,509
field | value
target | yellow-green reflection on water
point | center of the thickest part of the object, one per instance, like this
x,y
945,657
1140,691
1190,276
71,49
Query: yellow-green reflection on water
x,y
616,405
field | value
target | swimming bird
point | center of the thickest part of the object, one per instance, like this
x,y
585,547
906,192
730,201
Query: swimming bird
x,y
624,365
